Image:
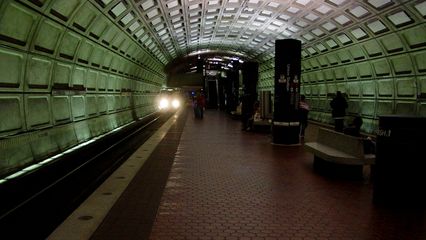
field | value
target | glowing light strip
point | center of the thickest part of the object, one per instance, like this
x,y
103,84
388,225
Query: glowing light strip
x,y
48,160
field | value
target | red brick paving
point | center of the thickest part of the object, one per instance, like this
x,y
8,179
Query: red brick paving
x,y
229,184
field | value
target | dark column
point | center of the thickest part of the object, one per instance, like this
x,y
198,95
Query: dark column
x,y
285,128
231,90
399,174
250,76
221,92
212,93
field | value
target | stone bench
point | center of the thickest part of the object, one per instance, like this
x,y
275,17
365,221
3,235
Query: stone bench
x,y
339,154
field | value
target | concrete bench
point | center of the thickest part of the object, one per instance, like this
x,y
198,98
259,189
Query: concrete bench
x,y
339,154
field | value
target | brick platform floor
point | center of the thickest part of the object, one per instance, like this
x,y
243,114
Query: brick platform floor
x,y
229,184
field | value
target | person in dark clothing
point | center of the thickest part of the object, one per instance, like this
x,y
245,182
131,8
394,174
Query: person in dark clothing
x,y
303,115
354,129
199,103
338,106
247,102
251,119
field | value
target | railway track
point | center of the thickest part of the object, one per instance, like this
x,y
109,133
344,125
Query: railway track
x,y
32,206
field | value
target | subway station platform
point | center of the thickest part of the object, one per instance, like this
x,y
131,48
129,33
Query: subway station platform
x,y
207,179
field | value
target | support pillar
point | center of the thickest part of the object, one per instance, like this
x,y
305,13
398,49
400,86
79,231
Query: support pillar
x,y
250,77
285,125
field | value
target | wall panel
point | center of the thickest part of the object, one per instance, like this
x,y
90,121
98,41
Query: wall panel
x,y
43,146
37,111
78,79
405,107
16,25
402,65
84,52
421,109
420,61
357,53
11,114
47,36
111,103
84,17
69,45
332,59
102,82
64,136
98,27
353,106
78,107
392,43
351,71
421,87
62,75
368,88
381,68
342,87
384,107
368,107
14,155
61,111
82,131
96,58
344,56
63,9
38,74
385,88
102,104
91,105
353,89
91,80
12,67
365,70
372,48
405,88
415,36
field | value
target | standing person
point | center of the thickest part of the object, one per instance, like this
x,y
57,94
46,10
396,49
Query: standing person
x,y
338,106
194,105
200,104
303,115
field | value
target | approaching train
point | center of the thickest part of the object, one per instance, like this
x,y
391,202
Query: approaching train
x,y
169,99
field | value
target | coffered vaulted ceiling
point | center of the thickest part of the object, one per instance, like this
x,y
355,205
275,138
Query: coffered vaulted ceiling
x,y
175,28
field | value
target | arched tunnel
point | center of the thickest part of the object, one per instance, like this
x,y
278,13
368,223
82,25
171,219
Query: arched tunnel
x,y
72,70
66,65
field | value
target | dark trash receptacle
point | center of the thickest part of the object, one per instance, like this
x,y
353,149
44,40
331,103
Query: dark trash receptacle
x,y
400,169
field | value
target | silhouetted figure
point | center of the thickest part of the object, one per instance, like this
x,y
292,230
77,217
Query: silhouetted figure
x,y
256,111
354,129
303,115
247,111
338,106
199,103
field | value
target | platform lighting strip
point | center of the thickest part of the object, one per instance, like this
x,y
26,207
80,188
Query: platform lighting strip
x,y
38,165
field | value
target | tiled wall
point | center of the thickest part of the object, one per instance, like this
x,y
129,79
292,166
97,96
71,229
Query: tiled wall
x,y
69,71
382,73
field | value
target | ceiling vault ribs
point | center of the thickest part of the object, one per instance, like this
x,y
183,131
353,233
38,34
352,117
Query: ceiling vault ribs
x,y
176,28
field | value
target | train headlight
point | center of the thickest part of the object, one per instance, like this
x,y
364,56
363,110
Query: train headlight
x,y
175,103
164,103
